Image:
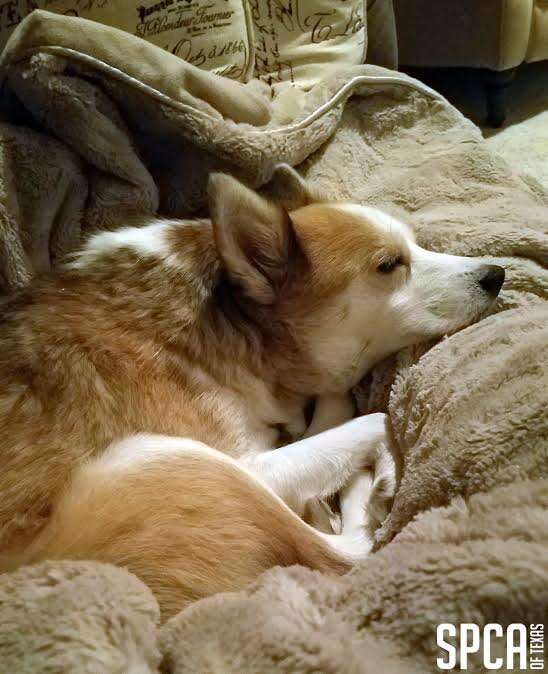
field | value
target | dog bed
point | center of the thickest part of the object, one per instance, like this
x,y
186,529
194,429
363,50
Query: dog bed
x,y
98,124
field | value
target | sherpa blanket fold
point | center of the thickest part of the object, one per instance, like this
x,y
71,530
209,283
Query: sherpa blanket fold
x,y
97,125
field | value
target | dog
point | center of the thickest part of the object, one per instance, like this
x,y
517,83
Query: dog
x,y
146,385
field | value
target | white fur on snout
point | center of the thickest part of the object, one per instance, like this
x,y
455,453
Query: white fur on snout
x,y
442,291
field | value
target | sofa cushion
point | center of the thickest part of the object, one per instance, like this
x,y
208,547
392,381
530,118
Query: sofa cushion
x,y
493,34
537,49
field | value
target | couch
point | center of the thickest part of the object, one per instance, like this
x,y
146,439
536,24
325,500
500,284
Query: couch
x,y
495,36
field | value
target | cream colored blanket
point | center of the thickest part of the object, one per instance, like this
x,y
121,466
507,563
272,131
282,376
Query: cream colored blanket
x,y
99,124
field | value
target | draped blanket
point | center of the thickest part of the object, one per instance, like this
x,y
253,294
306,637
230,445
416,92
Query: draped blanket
x,y
98,124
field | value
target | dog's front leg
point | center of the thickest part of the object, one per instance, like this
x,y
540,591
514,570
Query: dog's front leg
x,y
322,464
330,411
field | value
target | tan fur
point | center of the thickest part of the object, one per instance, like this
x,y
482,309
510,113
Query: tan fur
x,y
342,245
189,525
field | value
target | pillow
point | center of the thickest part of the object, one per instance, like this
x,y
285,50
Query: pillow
x,y
298,41
211,34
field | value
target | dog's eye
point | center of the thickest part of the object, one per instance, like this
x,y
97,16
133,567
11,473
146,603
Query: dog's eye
x,y
389,265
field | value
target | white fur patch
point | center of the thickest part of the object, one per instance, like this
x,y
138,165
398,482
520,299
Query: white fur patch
x,y
147,241
144,447
383,221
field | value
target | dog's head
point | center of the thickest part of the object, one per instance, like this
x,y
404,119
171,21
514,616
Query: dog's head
x,y
345,285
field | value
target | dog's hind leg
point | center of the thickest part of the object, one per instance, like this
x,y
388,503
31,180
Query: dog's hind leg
x,y
356,538
185,519
363,503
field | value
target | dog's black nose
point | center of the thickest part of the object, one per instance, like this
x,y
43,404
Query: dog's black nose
x,y
492,279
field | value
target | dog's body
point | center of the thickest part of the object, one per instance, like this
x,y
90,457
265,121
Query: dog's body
x,y
216,335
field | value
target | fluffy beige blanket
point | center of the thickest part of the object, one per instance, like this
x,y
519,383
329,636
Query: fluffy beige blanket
x,y
97,125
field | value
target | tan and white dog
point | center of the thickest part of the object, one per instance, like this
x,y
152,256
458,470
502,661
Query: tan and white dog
x,y
144,387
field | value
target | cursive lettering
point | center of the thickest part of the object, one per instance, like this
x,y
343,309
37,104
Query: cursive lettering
x,y
321,28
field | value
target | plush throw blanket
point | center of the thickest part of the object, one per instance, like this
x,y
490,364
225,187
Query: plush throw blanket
x,y
98,124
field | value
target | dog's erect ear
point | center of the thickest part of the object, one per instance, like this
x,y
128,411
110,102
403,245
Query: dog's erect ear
x,y
252,236
290,189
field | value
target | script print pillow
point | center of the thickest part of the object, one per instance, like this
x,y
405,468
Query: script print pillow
x,y
211,34
299,41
